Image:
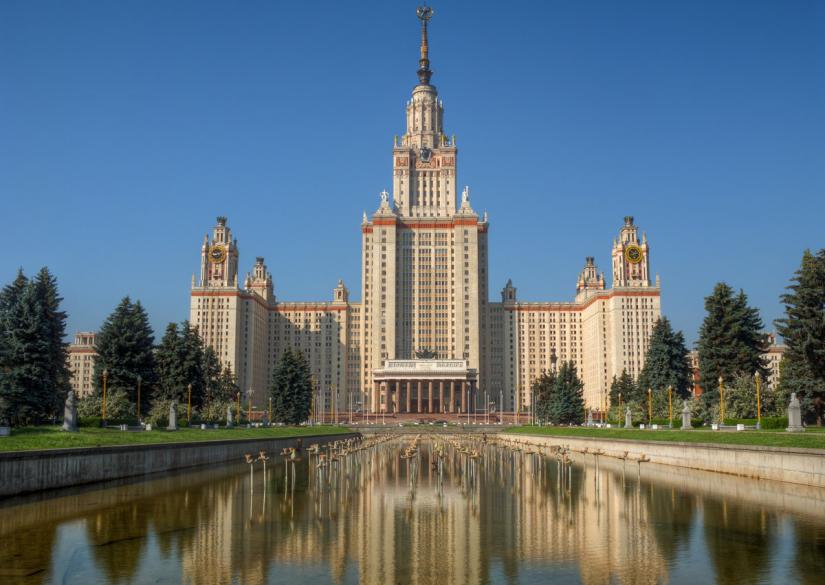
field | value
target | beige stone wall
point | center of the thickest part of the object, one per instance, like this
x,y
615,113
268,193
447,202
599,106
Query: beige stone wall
x,y
82,356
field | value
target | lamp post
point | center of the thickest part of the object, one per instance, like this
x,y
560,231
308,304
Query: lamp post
x,y
758,377
721,401
270,411
650,406
239,407
620,404
105,380
335,402
249,394
189,405
139,380
670,406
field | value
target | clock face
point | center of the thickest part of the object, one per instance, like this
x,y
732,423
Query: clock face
x,y
426,153
217,254
633,254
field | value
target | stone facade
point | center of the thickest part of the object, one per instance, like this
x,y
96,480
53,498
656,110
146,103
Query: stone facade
x,y
82,356
424,281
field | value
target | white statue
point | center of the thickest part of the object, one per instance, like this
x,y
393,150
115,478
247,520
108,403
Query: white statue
x,y
385,197
465,196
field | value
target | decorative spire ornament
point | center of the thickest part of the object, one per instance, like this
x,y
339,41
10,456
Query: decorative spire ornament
x,y
424,13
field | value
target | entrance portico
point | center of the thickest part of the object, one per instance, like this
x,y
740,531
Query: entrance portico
x,y
424,386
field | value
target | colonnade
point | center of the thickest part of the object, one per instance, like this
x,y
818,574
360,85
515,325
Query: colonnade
x,y
423,396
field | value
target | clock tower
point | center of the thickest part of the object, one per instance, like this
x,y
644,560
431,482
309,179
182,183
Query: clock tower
x,y
631,257
219,258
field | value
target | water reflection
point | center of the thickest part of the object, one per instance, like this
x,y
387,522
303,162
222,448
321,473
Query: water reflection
x,y
498,515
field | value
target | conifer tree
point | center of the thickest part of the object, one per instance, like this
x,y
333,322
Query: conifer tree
x,y
803,328
211,374
125,349
628,388
666,365
291,389
57,385
566,402
542,388
731,341
169,365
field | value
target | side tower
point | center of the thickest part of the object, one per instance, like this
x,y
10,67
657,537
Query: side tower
x,y
215,299
631,257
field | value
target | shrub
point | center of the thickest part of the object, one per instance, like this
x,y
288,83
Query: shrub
x,y
118,406
740,421
89,421
774,422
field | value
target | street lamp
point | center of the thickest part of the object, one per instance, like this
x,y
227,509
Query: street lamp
x,y
758,377
721,401
139,380
105,380
650,406
670,405
189,405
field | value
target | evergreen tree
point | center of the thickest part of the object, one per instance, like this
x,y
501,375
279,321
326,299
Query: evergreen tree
x,y
211,374
25,383
803,328
227,388
58,384
566,402
731,341
625,385
666,362
291,389
169,365
542,388
125,349
192,364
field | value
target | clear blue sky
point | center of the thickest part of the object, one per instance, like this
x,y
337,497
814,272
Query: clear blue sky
x,y
126,127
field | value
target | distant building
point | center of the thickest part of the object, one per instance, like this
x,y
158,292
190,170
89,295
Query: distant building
x,y
773,356
82,356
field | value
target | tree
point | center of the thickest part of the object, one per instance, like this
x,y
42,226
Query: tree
x,y
803,328
566,403
25,382
666,365
627,387
731,342
125,348
57,384
211,374
34,372
291,389
740,398
542,388
169,365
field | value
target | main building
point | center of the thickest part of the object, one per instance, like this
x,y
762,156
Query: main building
x,y
425,338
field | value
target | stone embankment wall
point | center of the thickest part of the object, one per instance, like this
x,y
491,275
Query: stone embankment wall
x,y
31,471
799,466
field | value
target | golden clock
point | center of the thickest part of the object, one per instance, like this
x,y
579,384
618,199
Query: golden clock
x,y
217,254
633,254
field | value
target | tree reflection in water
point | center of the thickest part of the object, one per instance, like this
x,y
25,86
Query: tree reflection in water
x,y
496,514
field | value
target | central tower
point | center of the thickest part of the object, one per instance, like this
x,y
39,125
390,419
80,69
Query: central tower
x,y
424,255
424,162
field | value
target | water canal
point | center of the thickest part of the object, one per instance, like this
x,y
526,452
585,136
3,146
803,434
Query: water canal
x,y
446,511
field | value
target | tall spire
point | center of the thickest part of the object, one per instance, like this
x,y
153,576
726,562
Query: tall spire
x,y
425,13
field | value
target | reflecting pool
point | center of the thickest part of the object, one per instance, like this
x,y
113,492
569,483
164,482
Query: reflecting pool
x,y
441,510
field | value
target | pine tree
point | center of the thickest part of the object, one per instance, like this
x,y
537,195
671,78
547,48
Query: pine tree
x,y
192,364
666,365
803,328
227,388
169,365
58,384
625,385
291,389
542,388
211,374
25,377
125,350
731,341
566,402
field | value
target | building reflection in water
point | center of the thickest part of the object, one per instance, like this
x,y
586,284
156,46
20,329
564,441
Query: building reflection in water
x,y
507,516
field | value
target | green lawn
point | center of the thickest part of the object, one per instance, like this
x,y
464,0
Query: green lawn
x,y
28,438
813,438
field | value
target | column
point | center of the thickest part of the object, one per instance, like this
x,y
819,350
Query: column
x,y
452,396
430,397
463,396
376,394
397,388
385,396
419,388
441,395
409,396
